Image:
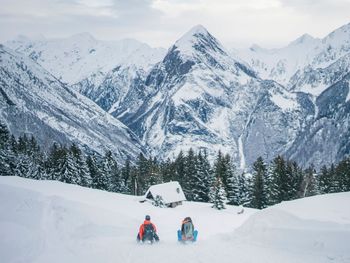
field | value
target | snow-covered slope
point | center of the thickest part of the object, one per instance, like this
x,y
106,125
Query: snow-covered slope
x,y
45,221
32,101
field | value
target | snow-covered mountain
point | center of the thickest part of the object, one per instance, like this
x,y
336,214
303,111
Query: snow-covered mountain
x,y
288,65
47,221
201,97
320,68
103,71
292,101
35,102
78,57
326,140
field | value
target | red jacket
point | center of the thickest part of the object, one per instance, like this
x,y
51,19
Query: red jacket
x,y
142,228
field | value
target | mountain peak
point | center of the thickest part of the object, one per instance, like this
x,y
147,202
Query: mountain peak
x,y
198,29
197,38
306,38
194,33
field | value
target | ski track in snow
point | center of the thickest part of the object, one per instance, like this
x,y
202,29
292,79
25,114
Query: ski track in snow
x,y
46,221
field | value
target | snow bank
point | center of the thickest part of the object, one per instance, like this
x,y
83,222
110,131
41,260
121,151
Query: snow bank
x,y
317,227
46,221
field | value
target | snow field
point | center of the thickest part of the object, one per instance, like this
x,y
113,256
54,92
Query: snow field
x,y
46,221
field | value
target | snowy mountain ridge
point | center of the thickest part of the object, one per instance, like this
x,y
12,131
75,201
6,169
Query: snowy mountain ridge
x,y
283,63
34,102
198,95
77,57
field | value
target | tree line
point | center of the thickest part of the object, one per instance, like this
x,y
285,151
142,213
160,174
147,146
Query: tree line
x,y
220,183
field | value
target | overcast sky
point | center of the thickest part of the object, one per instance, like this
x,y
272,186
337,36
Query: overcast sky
x,y
237,23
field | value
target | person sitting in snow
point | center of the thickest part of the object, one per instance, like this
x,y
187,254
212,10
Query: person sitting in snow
x,y
187,232
148,231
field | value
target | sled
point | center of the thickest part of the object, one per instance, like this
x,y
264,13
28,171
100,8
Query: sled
x,y
185,241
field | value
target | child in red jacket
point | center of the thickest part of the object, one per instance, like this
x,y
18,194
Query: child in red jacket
x,y
148,231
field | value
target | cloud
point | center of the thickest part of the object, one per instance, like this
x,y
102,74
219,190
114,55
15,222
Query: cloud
x,y
268,23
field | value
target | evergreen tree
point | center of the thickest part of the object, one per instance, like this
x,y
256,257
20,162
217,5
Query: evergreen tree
x,y
190,177
342,172
108,170
218,195
259,184
232,183
202,178
279,183
167,170
23,166
127,178
95,172
142,177
180,169
67,170
154,176
7,163
325,181
220,169
245,186
54,162
83,175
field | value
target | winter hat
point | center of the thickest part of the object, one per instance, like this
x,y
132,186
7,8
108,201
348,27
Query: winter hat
x,y
148,217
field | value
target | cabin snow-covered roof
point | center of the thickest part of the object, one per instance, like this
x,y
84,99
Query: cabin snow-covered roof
x,y
170,192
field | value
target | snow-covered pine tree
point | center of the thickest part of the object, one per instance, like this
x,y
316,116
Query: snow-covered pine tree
x,y
343,175
218,195
231,181
23,166
154,176
259,184
245,186
111,169
202,179
142,177
297,180
324,182
108,170
279,186
68,170
190,182
126,177
180,168
54,161
95,172
220,169
117,183
7,164
80,163
167,170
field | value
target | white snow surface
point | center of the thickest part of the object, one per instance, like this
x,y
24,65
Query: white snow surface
x,y
46,221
